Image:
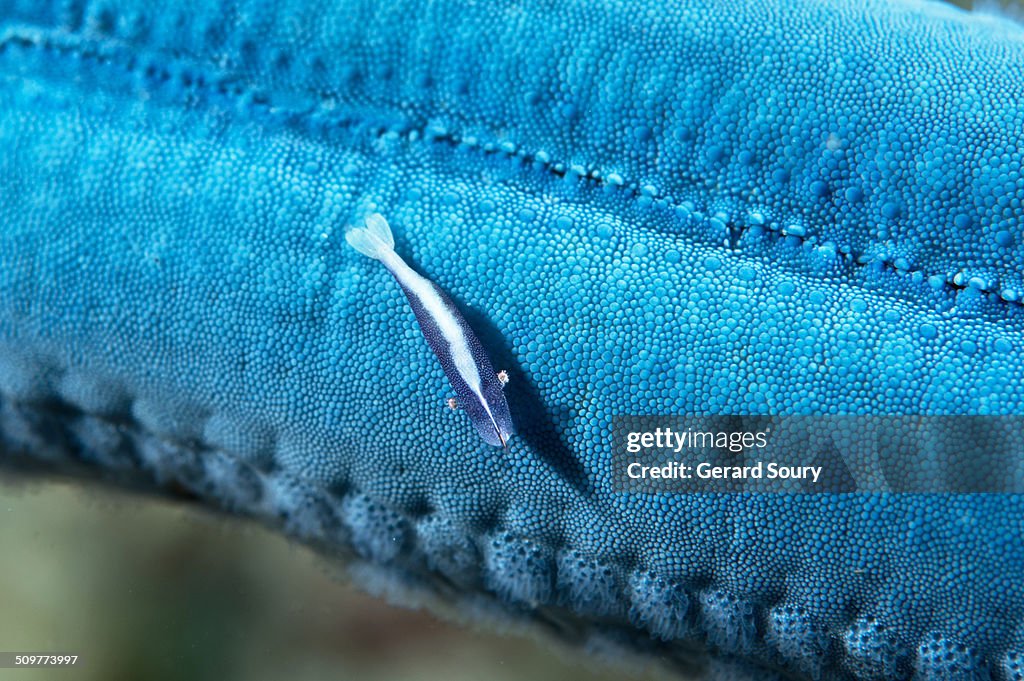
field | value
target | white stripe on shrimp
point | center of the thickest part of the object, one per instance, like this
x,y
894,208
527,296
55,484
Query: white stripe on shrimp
x,y
457,348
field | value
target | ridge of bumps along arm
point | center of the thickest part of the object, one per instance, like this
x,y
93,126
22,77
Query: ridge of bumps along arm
x,y
722,207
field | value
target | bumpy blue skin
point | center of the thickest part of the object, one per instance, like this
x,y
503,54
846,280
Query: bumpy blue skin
x,y
711,207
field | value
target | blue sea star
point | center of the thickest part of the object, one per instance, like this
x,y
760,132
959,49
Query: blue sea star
x,y
714,207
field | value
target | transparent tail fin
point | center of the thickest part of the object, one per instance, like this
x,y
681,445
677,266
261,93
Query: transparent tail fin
x,y
373,240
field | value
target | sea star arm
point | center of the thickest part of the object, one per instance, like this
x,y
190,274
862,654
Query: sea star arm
x,y
715,207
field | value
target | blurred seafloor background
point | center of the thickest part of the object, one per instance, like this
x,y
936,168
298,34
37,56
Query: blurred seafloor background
x,y
147,590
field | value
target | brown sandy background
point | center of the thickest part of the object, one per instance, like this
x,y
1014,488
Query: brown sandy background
x,y
145,589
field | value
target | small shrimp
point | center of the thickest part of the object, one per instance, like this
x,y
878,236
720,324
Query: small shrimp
x,y
469,370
